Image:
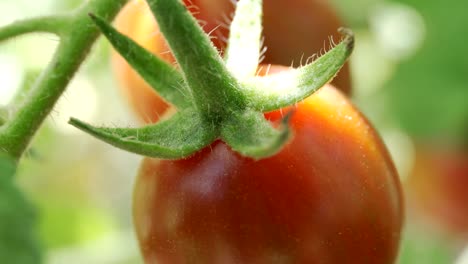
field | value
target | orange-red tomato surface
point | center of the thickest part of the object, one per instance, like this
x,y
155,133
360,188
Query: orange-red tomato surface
x,y
293,30
331,195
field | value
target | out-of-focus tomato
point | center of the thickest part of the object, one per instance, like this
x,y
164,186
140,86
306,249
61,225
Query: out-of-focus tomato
x,y
331,195
294,30
136,21
437,187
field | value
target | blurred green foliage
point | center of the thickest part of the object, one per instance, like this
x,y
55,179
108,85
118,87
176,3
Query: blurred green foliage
x,y
18,240
429,92
422,251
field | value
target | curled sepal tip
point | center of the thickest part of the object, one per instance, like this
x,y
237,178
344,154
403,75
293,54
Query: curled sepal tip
x,y
250,134
178,137
162,77
289,87
348,38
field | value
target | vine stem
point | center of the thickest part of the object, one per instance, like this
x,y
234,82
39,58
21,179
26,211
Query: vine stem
x,y
49,24
77,38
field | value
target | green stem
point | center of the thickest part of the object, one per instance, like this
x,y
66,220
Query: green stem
x,y
51,24
215,90
76,41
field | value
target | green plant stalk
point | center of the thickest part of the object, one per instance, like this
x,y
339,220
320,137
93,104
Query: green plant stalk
x,y
214,89
50,24
77,38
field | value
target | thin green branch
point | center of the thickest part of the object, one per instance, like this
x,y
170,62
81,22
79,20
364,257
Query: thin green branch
x,y
76,40
50,24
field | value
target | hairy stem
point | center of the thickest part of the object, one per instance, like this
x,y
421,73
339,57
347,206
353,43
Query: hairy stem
x,y
77,38
51,24
214,89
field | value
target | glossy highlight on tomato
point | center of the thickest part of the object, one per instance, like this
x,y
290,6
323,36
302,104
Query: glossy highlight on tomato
x,y
293,31
331,195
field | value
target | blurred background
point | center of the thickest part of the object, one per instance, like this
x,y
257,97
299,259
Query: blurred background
x,y
409,75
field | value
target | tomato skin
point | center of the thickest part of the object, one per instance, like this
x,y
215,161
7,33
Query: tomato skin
x,y
332,195
293,30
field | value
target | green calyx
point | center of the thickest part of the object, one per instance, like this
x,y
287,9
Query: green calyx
x,y
214,98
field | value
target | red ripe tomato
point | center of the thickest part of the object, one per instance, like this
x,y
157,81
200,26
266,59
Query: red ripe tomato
x,y
437,187
331,195
293,30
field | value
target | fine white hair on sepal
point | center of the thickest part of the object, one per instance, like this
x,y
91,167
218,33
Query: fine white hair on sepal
x,y
331,39
162,53
301,60
202,23
222,38
263,50
226,19
311,59
191,6
212,31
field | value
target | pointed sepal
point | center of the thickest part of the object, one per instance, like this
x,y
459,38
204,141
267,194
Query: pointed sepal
x,y
243,51
164,78
175,138
250,134
214,88
221,107
289,87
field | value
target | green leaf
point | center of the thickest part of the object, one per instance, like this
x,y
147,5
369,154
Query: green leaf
x,y
175,138
50,24
215,90
18,240
286,88
250,134
243,52
163,78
